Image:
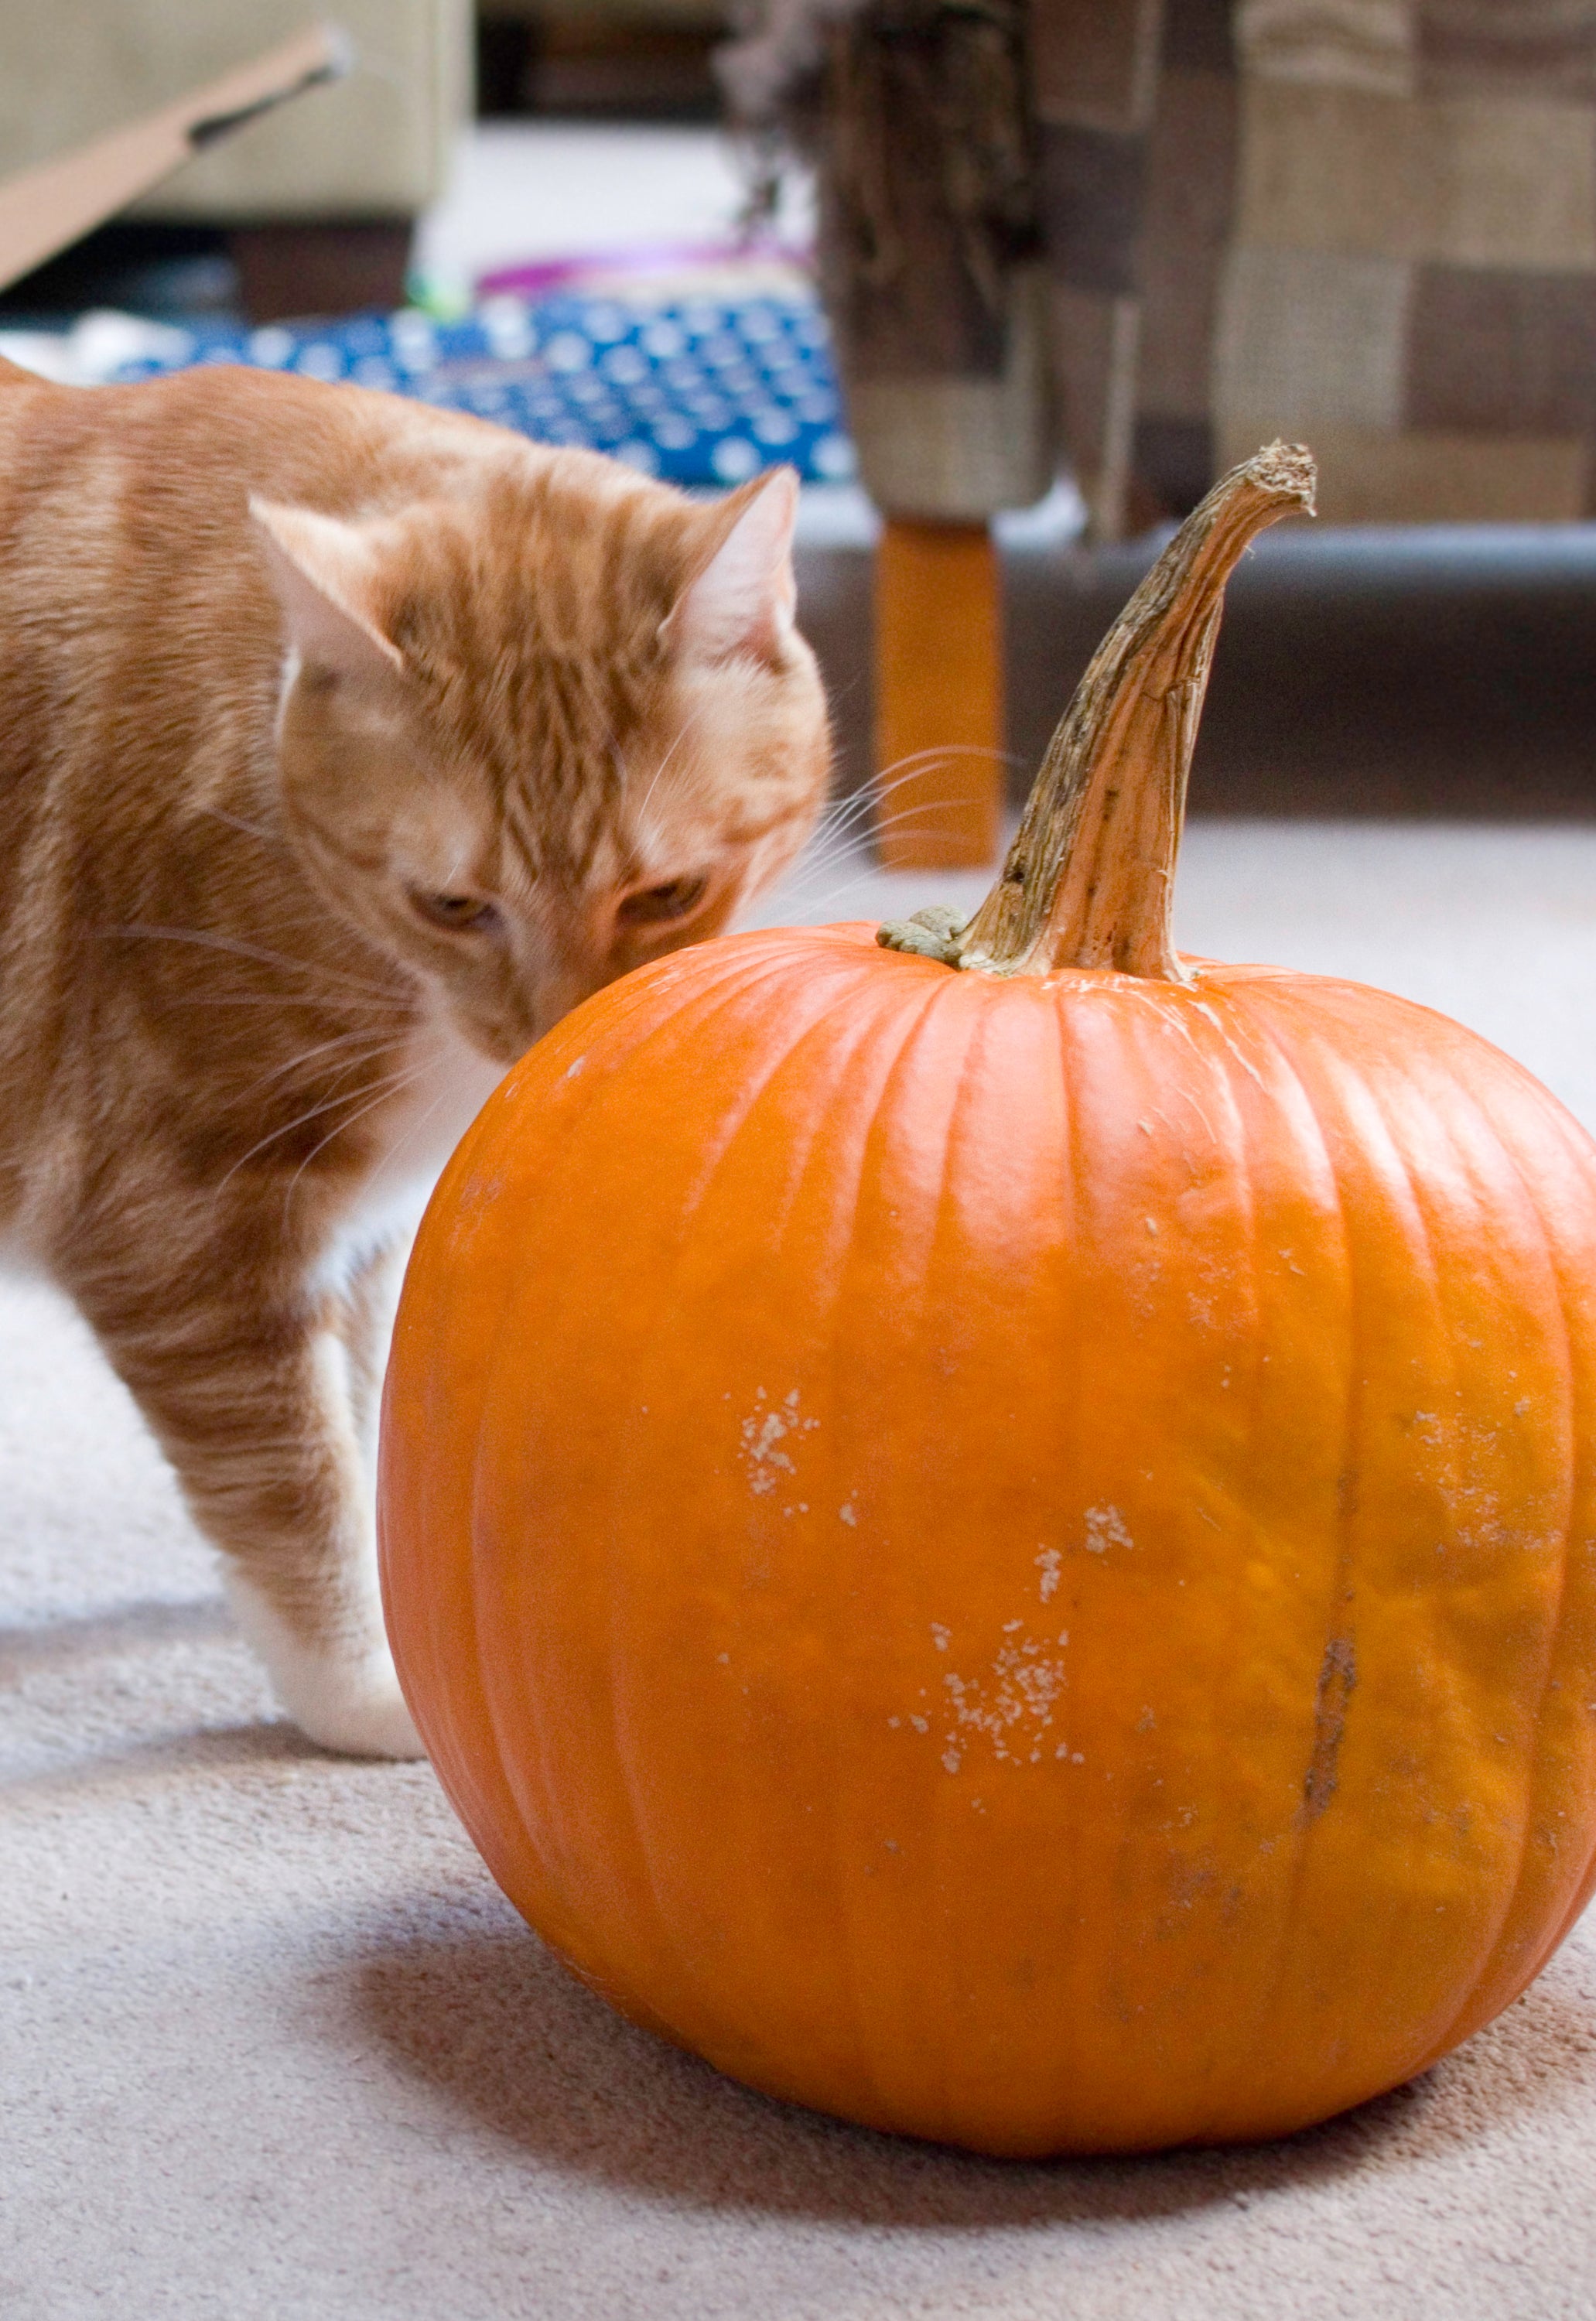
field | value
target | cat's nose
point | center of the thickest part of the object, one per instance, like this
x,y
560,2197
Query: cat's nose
x,y
566,988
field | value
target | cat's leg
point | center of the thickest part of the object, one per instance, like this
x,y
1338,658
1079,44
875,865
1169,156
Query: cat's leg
x,y
250,1396
370,1298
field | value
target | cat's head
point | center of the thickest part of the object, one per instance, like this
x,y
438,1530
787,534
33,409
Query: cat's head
x,y
536,733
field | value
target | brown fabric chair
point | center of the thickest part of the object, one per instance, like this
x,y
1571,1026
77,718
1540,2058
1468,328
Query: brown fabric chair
x,y
1145,235
1139,238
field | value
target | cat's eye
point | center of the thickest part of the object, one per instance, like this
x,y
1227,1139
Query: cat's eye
x,y
461,913
657,905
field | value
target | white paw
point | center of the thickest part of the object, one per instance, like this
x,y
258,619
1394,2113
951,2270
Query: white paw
x,y
365,1718
348,1701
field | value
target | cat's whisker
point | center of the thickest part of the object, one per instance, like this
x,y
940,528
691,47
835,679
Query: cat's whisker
x,y
364,1043
811,884
886,779
918,809
308,1001
388,1084
393,1085
844,830
949,749
927,815
869,795
207,940
250,829
847,815
865,802
411,1129
641,816
845,846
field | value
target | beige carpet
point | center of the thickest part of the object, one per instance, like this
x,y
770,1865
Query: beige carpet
x,y
272,2048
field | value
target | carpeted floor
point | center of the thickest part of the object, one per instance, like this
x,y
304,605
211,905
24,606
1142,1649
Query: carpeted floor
x,y
272,2048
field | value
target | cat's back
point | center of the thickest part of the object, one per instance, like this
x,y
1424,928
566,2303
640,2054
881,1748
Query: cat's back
x,y
154,478
137,624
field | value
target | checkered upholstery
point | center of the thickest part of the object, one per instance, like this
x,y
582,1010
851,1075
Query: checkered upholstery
x,y
1367,224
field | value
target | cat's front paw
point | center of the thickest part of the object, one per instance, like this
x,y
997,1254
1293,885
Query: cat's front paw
x,y
347,1700
359,1719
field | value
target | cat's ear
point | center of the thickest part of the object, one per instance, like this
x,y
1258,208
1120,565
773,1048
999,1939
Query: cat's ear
x,y
742,601
327,583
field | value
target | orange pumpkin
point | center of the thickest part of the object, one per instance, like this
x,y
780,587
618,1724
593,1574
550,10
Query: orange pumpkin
x,y
1003,1543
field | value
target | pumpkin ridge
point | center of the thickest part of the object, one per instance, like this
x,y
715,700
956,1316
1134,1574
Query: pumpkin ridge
x,y
1264,2031
1461,1094
1551,1940
1219,1035
818,1031
1584,1882
1361,1104
642,1842
639,999
717,1001
822,1034
1074,1227
540,1833
427,1678
644,1000
934,1023
686,1019
1488,1972
932,1020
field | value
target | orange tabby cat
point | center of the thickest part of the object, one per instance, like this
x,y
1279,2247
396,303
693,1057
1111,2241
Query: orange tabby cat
x,y
344,745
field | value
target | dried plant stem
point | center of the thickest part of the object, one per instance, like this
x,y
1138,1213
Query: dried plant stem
x,y
1089,877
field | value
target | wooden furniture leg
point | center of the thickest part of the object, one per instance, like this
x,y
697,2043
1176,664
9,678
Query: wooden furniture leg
x,y
336,266
939,695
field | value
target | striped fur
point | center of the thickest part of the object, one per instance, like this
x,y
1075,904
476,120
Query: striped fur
x,y
245,758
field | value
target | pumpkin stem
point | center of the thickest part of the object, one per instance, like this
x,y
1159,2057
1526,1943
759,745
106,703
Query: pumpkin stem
x,y
1090,878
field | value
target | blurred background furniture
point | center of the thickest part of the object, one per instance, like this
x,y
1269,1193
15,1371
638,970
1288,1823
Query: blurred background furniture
x,y
50,207
649,60
318,204
1142,234
1140,237
1373,226
1118,236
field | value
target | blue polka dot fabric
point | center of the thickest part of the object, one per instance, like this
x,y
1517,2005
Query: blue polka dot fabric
x,y
706,392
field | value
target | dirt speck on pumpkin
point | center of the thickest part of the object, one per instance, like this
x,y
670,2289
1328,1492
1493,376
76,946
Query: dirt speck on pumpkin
x,y
1105,1528
763,1432
1013,1706
1338,1676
